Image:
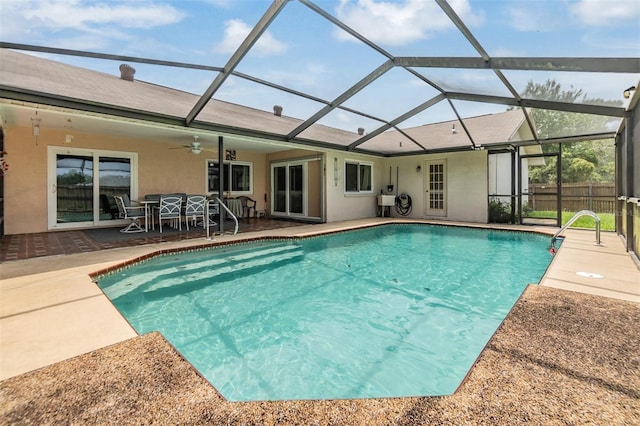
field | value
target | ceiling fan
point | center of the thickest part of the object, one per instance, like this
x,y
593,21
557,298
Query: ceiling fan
x,y
195,146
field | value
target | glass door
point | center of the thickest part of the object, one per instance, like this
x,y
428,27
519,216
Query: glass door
x,y
82,185
73,189
289,196
296,189
279,198
436,188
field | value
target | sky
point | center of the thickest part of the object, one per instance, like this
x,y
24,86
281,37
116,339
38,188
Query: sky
x,y
304,51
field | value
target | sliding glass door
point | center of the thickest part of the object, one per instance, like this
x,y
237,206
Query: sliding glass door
x,y
297,188
288,195
82,184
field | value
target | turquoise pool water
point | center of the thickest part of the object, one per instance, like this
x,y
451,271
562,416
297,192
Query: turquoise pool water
x,y
398,310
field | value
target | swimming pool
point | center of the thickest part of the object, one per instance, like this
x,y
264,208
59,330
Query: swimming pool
x,y
388,311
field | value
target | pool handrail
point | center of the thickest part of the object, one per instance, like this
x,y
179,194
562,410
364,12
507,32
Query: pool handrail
x,y
220,203
573,219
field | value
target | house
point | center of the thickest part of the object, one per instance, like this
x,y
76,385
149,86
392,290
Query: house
x,y
73,137
69,145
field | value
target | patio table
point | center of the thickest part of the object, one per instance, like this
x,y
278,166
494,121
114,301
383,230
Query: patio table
x,y
235,205
148,206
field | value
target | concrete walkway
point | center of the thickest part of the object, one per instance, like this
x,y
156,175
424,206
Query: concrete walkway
x,y
603,270
50,310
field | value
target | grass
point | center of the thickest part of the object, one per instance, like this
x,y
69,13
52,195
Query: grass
x,y
607,220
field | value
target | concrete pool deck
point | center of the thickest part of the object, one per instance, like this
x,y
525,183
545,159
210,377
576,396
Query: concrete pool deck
x,y
51,311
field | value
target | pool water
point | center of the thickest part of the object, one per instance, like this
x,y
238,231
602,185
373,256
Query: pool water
x,y
389,311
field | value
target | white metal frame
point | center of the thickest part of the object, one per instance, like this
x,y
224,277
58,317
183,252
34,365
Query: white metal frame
x,y
52,152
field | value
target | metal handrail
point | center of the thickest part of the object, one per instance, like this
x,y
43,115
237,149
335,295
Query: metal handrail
x,y
220,203
573,219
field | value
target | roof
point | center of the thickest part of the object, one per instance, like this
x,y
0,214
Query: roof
x,y
53,79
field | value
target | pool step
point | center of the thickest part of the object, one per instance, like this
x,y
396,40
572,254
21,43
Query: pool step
x,y
234,265
209,266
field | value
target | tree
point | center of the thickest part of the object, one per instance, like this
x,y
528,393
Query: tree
x,y
73,177
590,161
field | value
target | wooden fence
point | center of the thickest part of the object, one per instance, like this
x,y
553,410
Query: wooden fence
x,y
78,198
598,197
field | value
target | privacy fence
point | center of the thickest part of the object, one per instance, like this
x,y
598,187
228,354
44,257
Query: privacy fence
x,y
598,197
75,202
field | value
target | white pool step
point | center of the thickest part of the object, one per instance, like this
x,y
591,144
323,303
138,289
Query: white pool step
x,y
206,271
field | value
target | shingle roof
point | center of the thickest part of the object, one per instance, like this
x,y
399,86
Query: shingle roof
x,y
50,78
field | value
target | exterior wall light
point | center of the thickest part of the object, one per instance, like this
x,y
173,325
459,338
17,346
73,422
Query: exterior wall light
x,y
627,93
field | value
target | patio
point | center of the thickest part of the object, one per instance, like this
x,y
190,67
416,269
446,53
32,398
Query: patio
x,y
26,246
560,357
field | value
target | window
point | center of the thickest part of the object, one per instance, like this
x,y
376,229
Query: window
x,y
357,177
237,177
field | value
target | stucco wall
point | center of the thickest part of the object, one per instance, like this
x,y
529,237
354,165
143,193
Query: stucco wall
x,y
25,183
341,206
466,184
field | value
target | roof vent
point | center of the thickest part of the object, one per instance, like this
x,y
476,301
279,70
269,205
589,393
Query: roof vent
x,y
361,131
127,72
277,110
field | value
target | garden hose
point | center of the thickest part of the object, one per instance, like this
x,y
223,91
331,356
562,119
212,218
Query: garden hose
x,y
403,204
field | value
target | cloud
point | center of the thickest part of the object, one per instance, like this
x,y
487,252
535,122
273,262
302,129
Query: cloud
x,y
533,17
219,3
308,76
42,20
393,23
236,30
80,15
606,12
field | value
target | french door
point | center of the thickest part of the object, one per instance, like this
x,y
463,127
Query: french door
x,y
436,188
82,184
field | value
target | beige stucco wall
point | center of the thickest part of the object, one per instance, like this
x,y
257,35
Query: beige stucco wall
x,y
341,206
25,183
466,184
160,170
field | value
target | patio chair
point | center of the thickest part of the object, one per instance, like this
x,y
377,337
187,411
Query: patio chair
x,y
194,209
132,213
170,208
107,208
214,211
248,204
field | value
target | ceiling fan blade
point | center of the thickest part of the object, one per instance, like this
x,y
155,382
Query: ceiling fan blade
x,y
180,147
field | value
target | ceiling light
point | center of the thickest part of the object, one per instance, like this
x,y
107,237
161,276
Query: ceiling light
x,y
196,148
453,129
